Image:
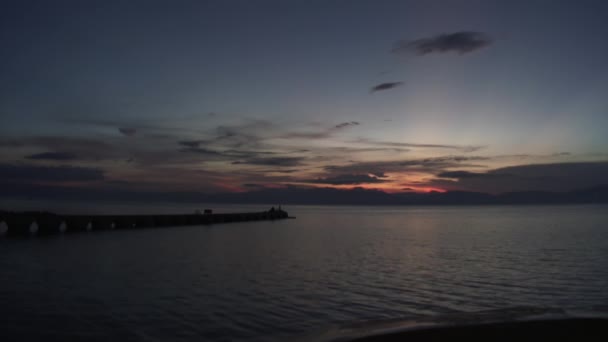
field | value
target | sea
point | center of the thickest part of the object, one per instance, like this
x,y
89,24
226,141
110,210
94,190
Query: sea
x,y
330,271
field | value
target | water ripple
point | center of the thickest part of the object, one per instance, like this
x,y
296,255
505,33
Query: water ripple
x,y
264,281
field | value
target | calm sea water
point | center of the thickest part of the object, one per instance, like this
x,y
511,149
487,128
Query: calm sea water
x,y
329,267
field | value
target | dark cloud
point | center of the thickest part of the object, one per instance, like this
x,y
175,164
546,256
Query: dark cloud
x,y
204,151
127,131
440,163
273,170
459,42
273,161
253,186
285,171
308,135
224,132
159,136
533,177
346,179
249,135
426,165
385,86
248,153
111,149
346,124
462,174
323,134
561,154
417,145
365,149
190,143
32,173
235,155
54,142
158,127
59,156
83,148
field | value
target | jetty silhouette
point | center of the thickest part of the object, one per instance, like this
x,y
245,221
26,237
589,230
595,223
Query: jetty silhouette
x,y
13,224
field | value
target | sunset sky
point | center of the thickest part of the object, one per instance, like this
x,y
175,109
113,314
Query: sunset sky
x,y
225,96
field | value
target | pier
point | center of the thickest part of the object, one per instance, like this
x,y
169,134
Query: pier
x,y
15,224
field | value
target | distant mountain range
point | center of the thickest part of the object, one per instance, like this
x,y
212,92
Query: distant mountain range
x,y
321,196
359,196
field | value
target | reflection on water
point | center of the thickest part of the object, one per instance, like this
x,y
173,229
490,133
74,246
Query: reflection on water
x,y
330,266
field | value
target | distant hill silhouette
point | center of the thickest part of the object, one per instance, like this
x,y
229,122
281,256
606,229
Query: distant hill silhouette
x,y
358,196
301,195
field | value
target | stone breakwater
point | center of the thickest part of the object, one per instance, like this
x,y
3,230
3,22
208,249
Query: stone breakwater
x,y
42,223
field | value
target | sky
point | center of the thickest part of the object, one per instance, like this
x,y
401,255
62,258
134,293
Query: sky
x,y
237,96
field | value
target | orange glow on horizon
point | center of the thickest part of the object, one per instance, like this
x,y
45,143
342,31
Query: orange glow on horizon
x,y
388,188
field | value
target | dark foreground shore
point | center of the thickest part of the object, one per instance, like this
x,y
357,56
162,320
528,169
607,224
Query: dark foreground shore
x,y
575,329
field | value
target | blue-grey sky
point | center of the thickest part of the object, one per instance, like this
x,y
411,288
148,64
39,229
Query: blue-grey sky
x,y
219,96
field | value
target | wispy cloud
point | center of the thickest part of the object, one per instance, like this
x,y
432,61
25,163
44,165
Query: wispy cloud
x,y
253,186
63,148
152,127
324,133
127,131
463,174
56,142
59,156
348,179
190,143
274,153
426,165
385,86
251,134
350,150
203,151
465,148
346,124
273,161
460,42
34,173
